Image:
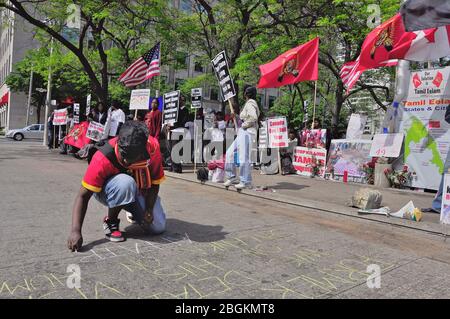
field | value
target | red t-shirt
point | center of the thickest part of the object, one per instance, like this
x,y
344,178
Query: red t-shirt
x,y
100,168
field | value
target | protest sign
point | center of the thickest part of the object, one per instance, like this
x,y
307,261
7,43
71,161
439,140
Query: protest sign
x,y
171,107
76,113
60,117
387,145
310,161
356,125
222,71
263,137
422,120
313,138
140,99
196,98
278,134
347,158
77,136
95,131
445,207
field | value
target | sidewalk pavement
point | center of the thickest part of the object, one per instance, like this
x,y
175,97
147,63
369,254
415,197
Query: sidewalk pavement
x,y
333,197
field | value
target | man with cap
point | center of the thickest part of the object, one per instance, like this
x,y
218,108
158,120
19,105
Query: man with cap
x,y
123,174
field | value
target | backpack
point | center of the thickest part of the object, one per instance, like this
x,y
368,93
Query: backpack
x,y
107,150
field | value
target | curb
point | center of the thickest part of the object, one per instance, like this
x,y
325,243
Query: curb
x,y
430,228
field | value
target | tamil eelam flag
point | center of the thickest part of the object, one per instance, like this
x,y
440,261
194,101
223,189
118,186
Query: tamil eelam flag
x,y
425,14
77,136
296,65
143,69
390,41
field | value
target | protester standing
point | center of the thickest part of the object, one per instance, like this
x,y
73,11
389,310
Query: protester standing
x,y
153,120
179,126
243,145
116,118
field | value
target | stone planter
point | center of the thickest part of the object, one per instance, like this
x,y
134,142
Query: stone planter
x,y
381,180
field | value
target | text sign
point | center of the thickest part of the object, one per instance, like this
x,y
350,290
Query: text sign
x,y
196,98
220,65
310,161
171,106
387,145
140,99
60,117
278,134
76,113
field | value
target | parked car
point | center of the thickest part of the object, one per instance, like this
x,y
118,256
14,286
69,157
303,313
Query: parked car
x,y
35,131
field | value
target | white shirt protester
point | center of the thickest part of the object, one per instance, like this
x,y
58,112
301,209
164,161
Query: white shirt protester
x,y
115,117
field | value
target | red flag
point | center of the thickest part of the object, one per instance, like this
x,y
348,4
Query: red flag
x,y
296,65
77,136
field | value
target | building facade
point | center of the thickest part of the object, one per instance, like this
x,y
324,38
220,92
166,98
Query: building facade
x,y
16,38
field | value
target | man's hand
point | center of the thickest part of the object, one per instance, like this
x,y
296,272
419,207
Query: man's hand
x,y
148,217
75,241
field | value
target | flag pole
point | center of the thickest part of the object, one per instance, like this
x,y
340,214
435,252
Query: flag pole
x,y
314,108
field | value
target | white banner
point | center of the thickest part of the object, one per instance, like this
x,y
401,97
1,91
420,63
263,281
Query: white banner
x,y
387,145
422,120
278,133
60,117
140,99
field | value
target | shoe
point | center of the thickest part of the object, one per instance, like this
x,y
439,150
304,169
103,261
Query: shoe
x,y
241,186
230,182
130,218
112,231
430,210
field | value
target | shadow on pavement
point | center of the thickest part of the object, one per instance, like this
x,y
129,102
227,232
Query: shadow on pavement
x,y
289,186
176,230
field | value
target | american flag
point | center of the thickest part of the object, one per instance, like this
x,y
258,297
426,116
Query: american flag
x,y
352,71
146,67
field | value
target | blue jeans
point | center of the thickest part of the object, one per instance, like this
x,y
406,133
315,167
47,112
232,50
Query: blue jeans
x,y
242,145
121,191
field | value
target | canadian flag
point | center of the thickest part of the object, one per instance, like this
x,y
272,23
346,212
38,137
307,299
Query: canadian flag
x,y
390,41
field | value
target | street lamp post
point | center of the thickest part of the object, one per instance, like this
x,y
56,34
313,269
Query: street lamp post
x,y
30,91
49,95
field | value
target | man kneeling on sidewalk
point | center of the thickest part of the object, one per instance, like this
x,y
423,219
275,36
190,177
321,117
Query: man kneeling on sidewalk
x,y
124,173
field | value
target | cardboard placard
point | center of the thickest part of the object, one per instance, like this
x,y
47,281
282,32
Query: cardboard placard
x,y
171,107
387,145
222,71
60,117
140,99
278,132
196,98
95,131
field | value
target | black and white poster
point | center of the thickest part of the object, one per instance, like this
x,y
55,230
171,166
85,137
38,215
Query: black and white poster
x,y
171,107
220,65
196,98
76,113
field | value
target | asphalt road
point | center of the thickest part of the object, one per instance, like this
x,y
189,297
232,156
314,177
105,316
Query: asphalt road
x,y
218,244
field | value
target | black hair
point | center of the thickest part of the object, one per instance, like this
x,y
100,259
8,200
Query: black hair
x,y
132,142
115,104
250,92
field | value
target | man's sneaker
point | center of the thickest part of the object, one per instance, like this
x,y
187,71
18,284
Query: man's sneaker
x,y
230,182
112,231
242,186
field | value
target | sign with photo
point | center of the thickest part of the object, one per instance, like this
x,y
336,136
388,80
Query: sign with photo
x,y
313,138
95,131
348,157
222,71
278,133
140,99
171,107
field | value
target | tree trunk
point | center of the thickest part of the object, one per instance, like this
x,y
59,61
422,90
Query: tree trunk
x,y
336,111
